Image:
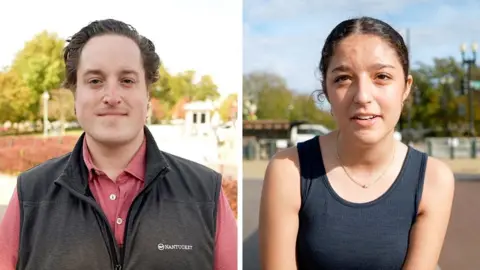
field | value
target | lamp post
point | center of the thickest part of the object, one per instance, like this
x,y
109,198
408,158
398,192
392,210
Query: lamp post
x,y
469,62
446,82
45,97
149,113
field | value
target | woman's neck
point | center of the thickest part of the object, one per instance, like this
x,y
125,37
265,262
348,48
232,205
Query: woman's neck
x,y
362,157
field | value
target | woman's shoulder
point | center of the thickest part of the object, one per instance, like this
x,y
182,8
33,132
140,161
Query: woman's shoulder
x,y
285,160
438,175
439,184
282,180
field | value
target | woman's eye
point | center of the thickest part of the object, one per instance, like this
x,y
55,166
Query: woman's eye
x,y
341,78
383,77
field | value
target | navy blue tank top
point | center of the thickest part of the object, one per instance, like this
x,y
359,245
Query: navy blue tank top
x,y
335,234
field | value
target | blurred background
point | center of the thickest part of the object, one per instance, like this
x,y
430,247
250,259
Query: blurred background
x,y
282,48
194,104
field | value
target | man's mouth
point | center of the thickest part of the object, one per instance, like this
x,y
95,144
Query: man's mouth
x,y
112,114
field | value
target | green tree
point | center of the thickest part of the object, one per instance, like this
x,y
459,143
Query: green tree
x,y
305,108
170,89
270,94
274,100
40,65
227,106
435,104
205,89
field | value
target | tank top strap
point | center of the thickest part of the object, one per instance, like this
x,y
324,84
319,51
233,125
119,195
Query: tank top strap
x,y
414,174
311,165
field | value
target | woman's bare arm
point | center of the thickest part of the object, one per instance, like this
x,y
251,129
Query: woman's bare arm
x,y
279,208
428,233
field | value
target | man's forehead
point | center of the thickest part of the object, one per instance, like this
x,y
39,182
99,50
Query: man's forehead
x,y
111,52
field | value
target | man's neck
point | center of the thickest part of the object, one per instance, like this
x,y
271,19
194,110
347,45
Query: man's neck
x,y
112,160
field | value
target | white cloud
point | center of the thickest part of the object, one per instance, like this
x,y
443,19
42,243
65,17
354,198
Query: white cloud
x,y
202,35
285,9
295,54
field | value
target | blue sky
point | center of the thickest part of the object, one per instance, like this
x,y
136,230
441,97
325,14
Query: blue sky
x,y
286,36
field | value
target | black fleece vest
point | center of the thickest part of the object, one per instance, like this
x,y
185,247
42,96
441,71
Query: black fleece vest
x,y
170,225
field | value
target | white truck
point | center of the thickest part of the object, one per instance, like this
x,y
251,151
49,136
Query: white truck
x,y
304,132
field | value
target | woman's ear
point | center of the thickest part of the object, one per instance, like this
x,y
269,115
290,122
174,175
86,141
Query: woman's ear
x,y
408,88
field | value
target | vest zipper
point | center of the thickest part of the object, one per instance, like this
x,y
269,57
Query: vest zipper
x,y
159,175
112,245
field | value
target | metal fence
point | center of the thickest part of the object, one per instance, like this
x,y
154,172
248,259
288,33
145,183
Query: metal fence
x,y
456,147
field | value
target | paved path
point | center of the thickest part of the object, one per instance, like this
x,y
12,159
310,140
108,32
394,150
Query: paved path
x,y
7,184
464,169
251,203
2,211
462,243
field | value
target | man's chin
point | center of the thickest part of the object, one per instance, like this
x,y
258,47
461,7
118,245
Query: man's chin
x,y
112,137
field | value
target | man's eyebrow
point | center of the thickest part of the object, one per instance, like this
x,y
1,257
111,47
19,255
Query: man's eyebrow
x,y
92,72
99,72
129,71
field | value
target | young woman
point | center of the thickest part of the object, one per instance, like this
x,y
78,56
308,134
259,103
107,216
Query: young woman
x,y
357,198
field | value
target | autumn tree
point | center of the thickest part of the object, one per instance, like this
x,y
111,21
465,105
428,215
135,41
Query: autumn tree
x,y
40,66
60,105
15,98
228,106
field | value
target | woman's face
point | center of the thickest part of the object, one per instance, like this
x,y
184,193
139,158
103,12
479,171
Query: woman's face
x,y
366,87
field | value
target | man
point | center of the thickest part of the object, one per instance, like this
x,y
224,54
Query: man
x,y
116,201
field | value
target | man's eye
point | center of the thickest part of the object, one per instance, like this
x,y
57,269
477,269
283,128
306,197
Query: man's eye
x,y
94,81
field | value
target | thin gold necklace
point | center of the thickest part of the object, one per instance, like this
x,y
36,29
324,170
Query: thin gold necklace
x,y
355,181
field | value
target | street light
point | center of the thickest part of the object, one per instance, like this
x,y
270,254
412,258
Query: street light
x,y
446,81
45,97
469,62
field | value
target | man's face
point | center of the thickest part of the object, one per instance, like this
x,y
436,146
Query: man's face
x,y
111,97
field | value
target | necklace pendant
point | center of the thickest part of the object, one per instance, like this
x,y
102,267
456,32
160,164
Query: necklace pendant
x,y
365,186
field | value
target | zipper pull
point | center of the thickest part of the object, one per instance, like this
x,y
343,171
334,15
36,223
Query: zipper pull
x,y
118,267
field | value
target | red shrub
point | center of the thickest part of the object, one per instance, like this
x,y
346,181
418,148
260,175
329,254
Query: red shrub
x,y
21,153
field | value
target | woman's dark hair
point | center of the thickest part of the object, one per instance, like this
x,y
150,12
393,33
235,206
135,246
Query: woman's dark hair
x,y
362,25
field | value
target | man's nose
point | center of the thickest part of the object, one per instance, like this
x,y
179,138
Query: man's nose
x,y
112,95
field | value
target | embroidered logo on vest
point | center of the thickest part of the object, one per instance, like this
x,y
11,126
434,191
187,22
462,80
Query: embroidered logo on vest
x,y
163,247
